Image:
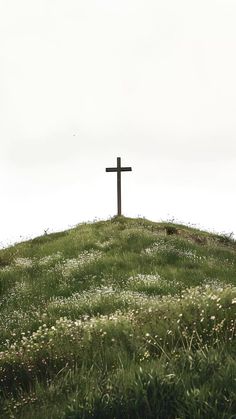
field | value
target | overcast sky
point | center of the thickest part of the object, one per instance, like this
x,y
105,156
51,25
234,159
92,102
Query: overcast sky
x,y
83,82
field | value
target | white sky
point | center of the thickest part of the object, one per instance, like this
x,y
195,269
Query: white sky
x,y
84,81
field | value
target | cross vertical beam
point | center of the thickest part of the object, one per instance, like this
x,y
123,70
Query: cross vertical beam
x,y
118,169
118,186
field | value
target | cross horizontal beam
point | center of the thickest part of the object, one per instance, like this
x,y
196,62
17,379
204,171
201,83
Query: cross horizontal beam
x,y
119,169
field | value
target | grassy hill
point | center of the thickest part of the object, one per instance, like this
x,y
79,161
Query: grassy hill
x,y
124,318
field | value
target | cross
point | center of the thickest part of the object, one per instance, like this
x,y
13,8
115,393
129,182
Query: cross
x,y
118,169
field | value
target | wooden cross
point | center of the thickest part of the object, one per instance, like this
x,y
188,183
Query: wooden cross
x,y
118,169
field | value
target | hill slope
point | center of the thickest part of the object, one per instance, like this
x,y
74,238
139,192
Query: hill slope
x,y
119,319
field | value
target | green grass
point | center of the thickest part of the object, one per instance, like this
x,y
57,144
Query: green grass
x,y
124,318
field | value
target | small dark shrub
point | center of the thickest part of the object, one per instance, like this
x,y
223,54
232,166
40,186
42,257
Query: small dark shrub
x,y
171,230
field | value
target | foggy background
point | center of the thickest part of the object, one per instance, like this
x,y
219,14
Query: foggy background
x,y
83,82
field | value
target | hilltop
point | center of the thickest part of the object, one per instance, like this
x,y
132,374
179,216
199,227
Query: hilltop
x,y
125,318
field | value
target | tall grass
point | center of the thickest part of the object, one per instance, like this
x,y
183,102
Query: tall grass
x,y
119,319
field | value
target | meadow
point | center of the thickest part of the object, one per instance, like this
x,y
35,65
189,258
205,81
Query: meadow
x,y
124,318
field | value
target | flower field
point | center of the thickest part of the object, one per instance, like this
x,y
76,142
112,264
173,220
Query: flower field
x,y
124,318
